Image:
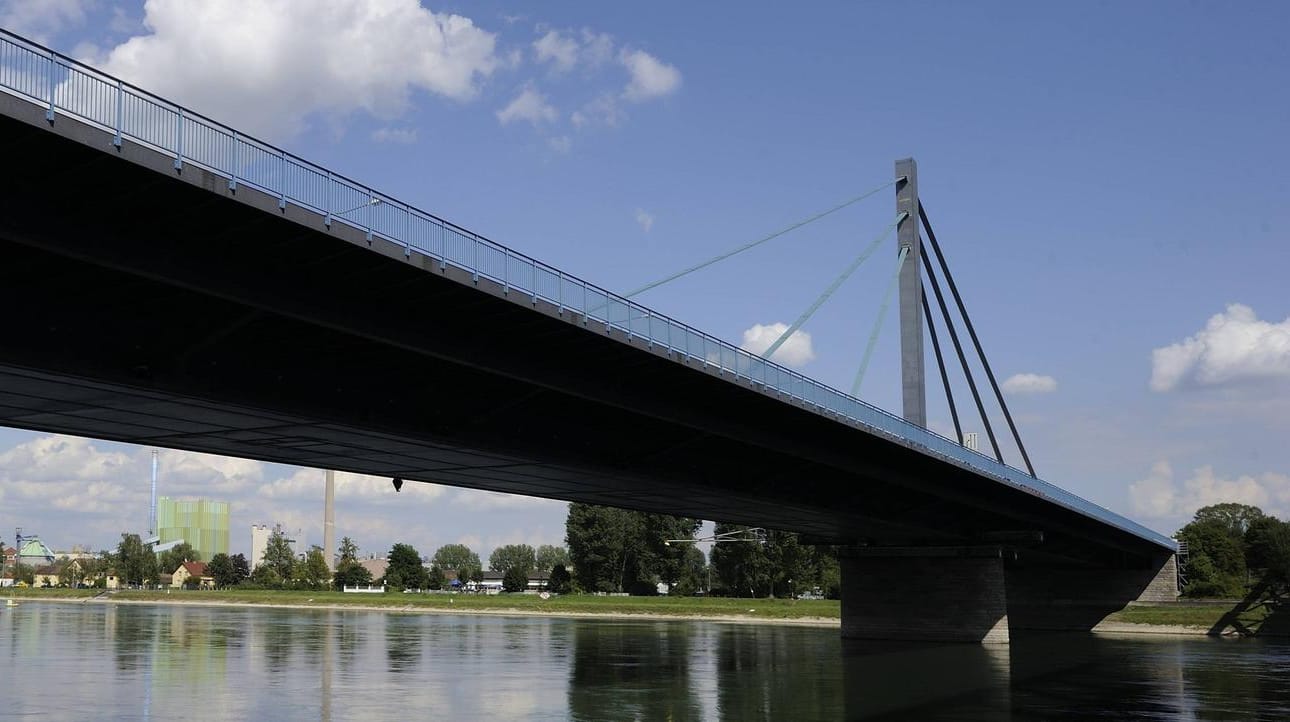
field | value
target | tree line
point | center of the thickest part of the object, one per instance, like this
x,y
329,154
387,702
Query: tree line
x,y
622,551
1233,547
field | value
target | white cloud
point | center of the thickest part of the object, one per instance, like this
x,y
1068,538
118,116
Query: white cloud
x,y
1030,384
603,110
796,350
268,67
1234,346
650,77
529,105
644,220
395,135
560,144
37,18
1158,496
566,49
558,49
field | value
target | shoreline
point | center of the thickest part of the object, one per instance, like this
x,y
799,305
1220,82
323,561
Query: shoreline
x,y
819,622
1115,628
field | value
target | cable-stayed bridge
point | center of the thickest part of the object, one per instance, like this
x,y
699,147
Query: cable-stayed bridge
x,y
172,282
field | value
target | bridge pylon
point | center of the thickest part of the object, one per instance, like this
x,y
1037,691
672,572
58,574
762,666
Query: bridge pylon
x,y
913,384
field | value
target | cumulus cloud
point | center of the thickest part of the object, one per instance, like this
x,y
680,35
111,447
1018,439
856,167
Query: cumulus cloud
x,y
560,144
644,220
566,49
650,77
37,19
1030,384
796,351
1159,496
395,135
485,500
529,105
603,110
1234,346
269,67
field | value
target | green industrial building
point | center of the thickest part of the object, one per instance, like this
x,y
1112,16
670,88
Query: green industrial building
x,y
200,522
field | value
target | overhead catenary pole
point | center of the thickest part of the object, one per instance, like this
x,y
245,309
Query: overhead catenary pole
x,y
912,384
152,508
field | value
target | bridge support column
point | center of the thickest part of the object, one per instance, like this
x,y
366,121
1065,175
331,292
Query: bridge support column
x,y
1052,598
940,594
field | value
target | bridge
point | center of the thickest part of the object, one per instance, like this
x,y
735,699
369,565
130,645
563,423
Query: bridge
x,y
172,282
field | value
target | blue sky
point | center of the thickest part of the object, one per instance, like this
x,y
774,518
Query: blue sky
x,y
1109,180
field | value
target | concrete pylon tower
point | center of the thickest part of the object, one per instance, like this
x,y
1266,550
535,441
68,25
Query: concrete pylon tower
x,y
913,388
329,521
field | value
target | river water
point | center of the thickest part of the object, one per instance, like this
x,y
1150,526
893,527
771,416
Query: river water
x,y
80,661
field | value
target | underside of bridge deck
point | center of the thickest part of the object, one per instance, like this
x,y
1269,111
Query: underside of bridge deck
x,y
158,307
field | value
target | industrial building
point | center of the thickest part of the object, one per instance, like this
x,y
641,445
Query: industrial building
x,y
203,523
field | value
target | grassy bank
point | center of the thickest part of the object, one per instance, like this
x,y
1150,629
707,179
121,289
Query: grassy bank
x,y
781,609
1182,614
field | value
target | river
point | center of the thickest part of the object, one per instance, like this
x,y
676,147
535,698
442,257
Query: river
x,y
80,661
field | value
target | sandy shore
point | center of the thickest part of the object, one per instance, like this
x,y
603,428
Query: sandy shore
x,y
1150,629
499,612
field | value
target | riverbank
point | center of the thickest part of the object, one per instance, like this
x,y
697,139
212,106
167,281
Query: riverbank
x,y
825,613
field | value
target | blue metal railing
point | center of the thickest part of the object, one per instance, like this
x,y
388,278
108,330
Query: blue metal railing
x,y
68,88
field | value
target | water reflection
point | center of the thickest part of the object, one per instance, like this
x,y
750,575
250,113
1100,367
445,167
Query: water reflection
x,y
162,662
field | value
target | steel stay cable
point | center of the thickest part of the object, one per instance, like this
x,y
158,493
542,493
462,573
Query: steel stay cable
x,y
837,283
985,364
940,363
958,348
759,241
877,326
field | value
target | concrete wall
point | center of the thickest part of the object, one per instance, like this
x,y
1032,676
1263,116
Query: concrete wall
x,y
970,594
957,598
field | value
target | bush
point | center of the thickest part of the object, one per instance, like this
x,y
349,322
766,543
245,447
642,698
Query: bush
x,y
515,580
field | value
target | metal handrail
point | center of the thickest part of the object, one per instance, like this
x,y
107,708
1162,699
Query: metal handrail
x,y
67,87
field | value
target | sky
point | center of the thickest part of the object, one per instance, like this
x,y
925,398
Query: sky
x,y
1110,182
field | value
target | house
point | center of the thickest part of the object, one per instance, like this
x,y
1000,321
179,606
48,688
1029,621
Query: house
x,y
190,570
111,580
492,583
46,576
10,556
375,567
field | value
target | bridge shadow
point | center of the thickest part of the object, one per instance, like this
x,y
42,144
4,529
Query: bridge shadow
x,y
1262,613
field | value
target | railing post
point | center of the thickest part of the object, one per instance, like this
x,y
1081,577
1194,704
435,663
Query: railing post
x,y
913,386
282,180
179,139
232,171
53,64
120,113
330,186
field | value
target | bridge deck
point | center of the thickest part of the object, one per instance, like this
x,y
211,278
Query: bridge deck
x,y
203,290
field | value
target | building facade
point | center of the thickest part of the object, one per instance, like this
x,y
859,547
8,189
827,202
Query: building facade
x,y
200,522
260,534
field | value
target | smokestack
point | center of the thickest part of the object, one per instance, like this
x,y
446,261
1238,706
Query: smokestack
x,y
329,521
152,513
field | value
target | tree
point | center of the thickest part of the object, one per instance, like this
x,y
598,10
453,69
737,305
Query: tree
x,y
404,570
169,560
1267,549
313,573
348,550
435,578
549,555
279,556
597,537
221,569
457,557
515,579
349,573
694,573
241,568
560,581
266,577
741,569
1216,563
1235,518
135,563
512,556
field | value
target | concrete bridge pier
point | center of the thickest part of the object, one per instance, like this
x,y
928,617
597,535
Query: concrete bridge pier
x,y
985,594
935,594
